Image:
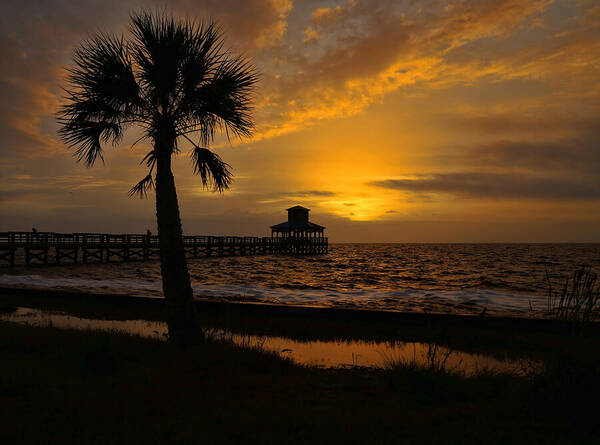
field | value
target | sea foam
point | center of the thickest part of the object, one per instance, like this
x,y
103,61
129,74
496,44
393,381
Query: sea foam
x,y
463,301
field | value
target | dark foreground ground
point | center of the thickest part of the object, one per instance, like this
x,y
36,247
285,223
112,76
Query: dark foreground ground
x,y
90,387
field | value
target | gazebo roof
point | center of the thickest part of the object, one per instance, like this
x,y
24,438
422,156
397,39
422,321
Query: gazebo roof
x,y
285,226
298,208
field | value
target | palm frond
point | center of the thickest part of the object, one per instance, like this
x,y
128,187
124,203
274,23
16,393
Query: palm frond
x,y
159,47
172,77
143,187
103,79
235,81
102,97
203,53
149,159
213,171
222,102
87,138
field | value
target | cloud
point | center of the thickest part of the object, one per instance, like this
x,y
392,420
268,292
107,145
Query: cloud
x,y
19,196
519,76
367,50
303,194
577,156
568,157
38,38
251,25
362,51
518,122
312,193
310,34
272,33
309,196
498,186
327,16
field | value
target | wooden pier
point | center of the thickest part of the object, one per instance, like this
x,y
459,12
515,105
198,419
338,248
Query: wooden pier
x,y
72,248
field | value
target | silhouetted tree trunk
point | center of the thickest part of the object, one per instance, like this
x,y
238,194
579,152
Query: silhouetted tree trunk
x,y
116,82
177,288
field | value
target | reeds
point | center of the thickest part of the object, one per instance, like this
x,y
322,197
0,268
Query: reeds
x,y
433,358
578,301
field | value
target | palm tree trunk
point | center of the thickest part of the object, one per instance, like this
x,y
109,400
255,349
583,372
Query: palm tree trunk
x,y
177,288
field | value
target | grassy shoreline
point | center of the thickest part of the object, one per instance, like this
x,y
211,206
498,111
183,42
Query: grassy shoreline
x,y
94,387
500,336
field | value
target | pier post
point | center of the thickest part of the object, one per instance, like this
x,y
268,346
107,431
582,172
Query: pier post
x,y
36,253
69,253
8,255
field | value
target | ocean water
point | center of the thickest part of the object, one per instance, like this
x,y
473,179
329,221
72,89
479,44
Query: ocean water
x,y
507,279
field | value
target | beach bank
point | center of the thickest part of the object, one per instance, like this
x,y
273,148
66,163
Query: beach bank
x,y
70,382
504,336
95,387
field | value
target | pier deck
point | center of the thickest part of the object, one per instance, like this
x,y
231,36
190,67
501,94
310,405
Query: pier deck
x,y
72,248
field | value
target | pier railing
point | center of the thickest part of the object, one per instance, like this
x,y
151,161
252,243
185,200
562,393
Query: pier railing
x,y
39,247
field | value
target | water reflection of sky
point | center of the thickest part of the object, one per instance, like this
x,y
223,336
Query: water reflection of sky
x,y
324,354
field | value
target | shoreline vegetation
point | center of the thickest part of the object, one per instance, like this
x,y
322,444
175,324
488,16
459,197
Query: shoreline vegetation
x,y
471,333
221,392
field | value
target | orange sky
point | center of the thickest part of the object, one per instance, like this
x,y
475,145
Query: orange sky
x,y
394,121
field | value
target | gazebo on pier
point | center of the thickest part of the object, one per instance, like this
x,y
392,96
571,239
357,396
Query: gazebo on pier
x,y
298,234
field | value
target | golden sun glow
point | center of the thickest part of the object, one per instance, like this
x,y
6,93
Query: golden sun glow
x,y
357,208
347,177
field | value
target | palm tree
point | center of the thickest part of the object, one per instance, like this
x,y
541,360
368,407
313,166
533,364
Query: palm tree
x,y
175,80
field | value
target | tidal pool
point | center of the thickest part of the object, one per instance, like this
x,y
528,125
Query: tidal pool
x,y
326,354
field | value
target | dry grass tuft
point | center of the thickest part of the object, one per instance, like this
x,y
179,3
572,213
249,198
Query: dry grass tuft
x,y
578,301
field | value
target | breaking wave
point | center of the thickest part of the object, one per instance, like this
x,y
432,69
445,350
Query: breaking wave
x,y
448,278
